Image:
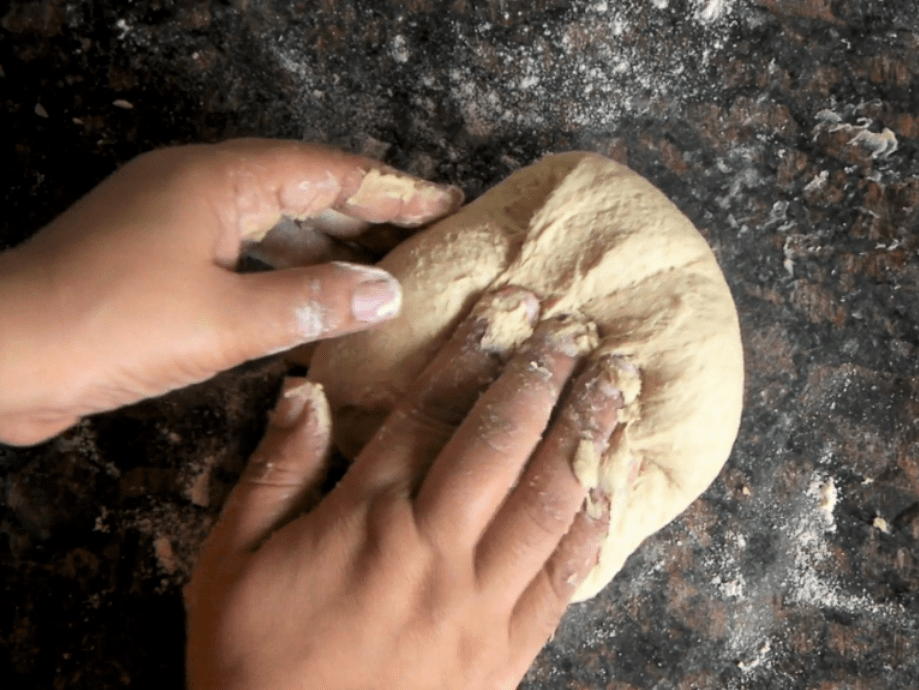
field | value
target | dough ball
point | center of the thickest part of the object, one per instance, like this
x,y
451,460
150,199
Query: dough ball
x,y
587,235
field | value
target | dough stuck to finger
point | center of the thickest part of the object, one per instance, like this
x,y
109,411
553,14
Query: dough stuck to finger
x,y
586,235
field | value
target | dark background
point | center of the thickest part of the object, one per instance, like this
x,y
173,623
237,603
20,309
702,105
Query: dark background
x,y
763,120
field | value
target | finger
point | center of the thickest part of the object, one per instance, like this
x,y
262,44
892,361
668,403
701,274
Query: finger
x,y
337,224
372,235
378,238
252,183
417,429
381,239
387,195
282,477
539,610
539,511
328,236
483,460
263,313
291,244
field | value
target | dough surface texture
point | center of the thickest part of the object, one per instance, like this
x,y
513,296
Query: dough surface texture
x,y
587,235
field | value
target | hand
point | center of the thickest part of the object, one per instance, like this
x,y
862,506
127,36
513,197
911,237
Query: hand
x,y
131,292
444,558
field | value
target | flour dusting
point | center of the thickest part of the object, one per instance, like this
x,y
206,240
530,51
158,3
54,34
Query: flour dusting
x,y
812,580
587,70
709,11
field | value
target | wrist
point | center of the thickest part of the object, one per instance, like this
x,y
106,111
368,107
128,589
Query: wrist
x,y
29,333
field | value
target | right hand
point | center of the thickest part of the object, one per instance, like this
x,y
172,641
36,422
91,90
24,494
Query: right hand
x,y
444,558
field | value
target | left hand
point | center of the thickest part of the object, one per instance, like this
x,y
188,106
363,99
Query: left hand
x,y
131,292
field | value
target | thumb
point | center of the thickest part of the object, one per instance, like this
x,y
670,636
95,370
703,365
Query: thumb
x,y
277,310
282,478
26,429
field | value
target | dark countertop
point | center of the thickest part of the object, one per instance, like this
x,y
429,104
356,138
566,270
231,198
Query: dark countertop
x,y
764,121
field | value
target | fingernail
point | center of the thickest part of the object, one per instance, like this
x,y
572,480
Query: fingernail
x,y
571,334
597,505
431,201
509,317
510,298
621,375
436,199
291,404
371,302
600,390
452,196
376,296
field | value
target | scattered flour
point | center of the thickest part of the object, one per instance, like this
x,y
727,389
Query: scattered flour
x,y
757,660
587,69
811,580
709,11
805,575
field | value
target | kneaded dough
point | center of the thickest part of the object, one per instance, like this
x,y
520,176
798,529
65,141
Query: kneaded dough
x,y
587,235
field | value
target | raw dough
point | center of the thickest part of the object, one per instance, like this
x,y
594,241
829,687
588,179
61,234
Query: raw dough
x,y
588,235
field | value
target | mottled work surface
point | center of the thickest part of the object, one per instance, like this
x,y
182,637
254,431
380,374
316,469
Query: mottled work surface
x,y
788,131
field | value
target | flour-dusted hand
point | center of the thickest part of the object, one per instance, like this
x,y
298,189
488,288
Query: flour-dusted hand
x,y
445,557
132,293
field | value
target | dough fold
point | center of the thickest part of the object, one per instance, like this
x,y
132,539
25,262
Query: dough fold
x,y
586,235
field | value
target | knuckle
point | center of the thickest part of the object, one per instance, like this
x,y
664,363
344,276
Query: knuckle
x,y
267,471
390,522
500,430
544,514
559,585
569,566
182,164
437,415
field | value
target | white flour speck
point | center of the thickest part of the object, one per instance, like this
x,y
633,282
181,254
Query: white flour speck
x,y
399,49
708,11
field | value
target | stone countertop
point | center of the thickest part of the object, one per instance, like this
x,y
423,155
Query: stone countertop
x,y
787,131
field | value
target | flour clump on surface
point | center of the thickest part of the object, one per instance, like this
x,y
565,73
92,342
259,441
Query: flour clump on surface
x,y
588,236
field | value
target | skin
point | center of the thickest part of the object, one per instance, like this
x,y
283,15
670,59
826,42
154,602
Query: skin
x,y
130,293
447,554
